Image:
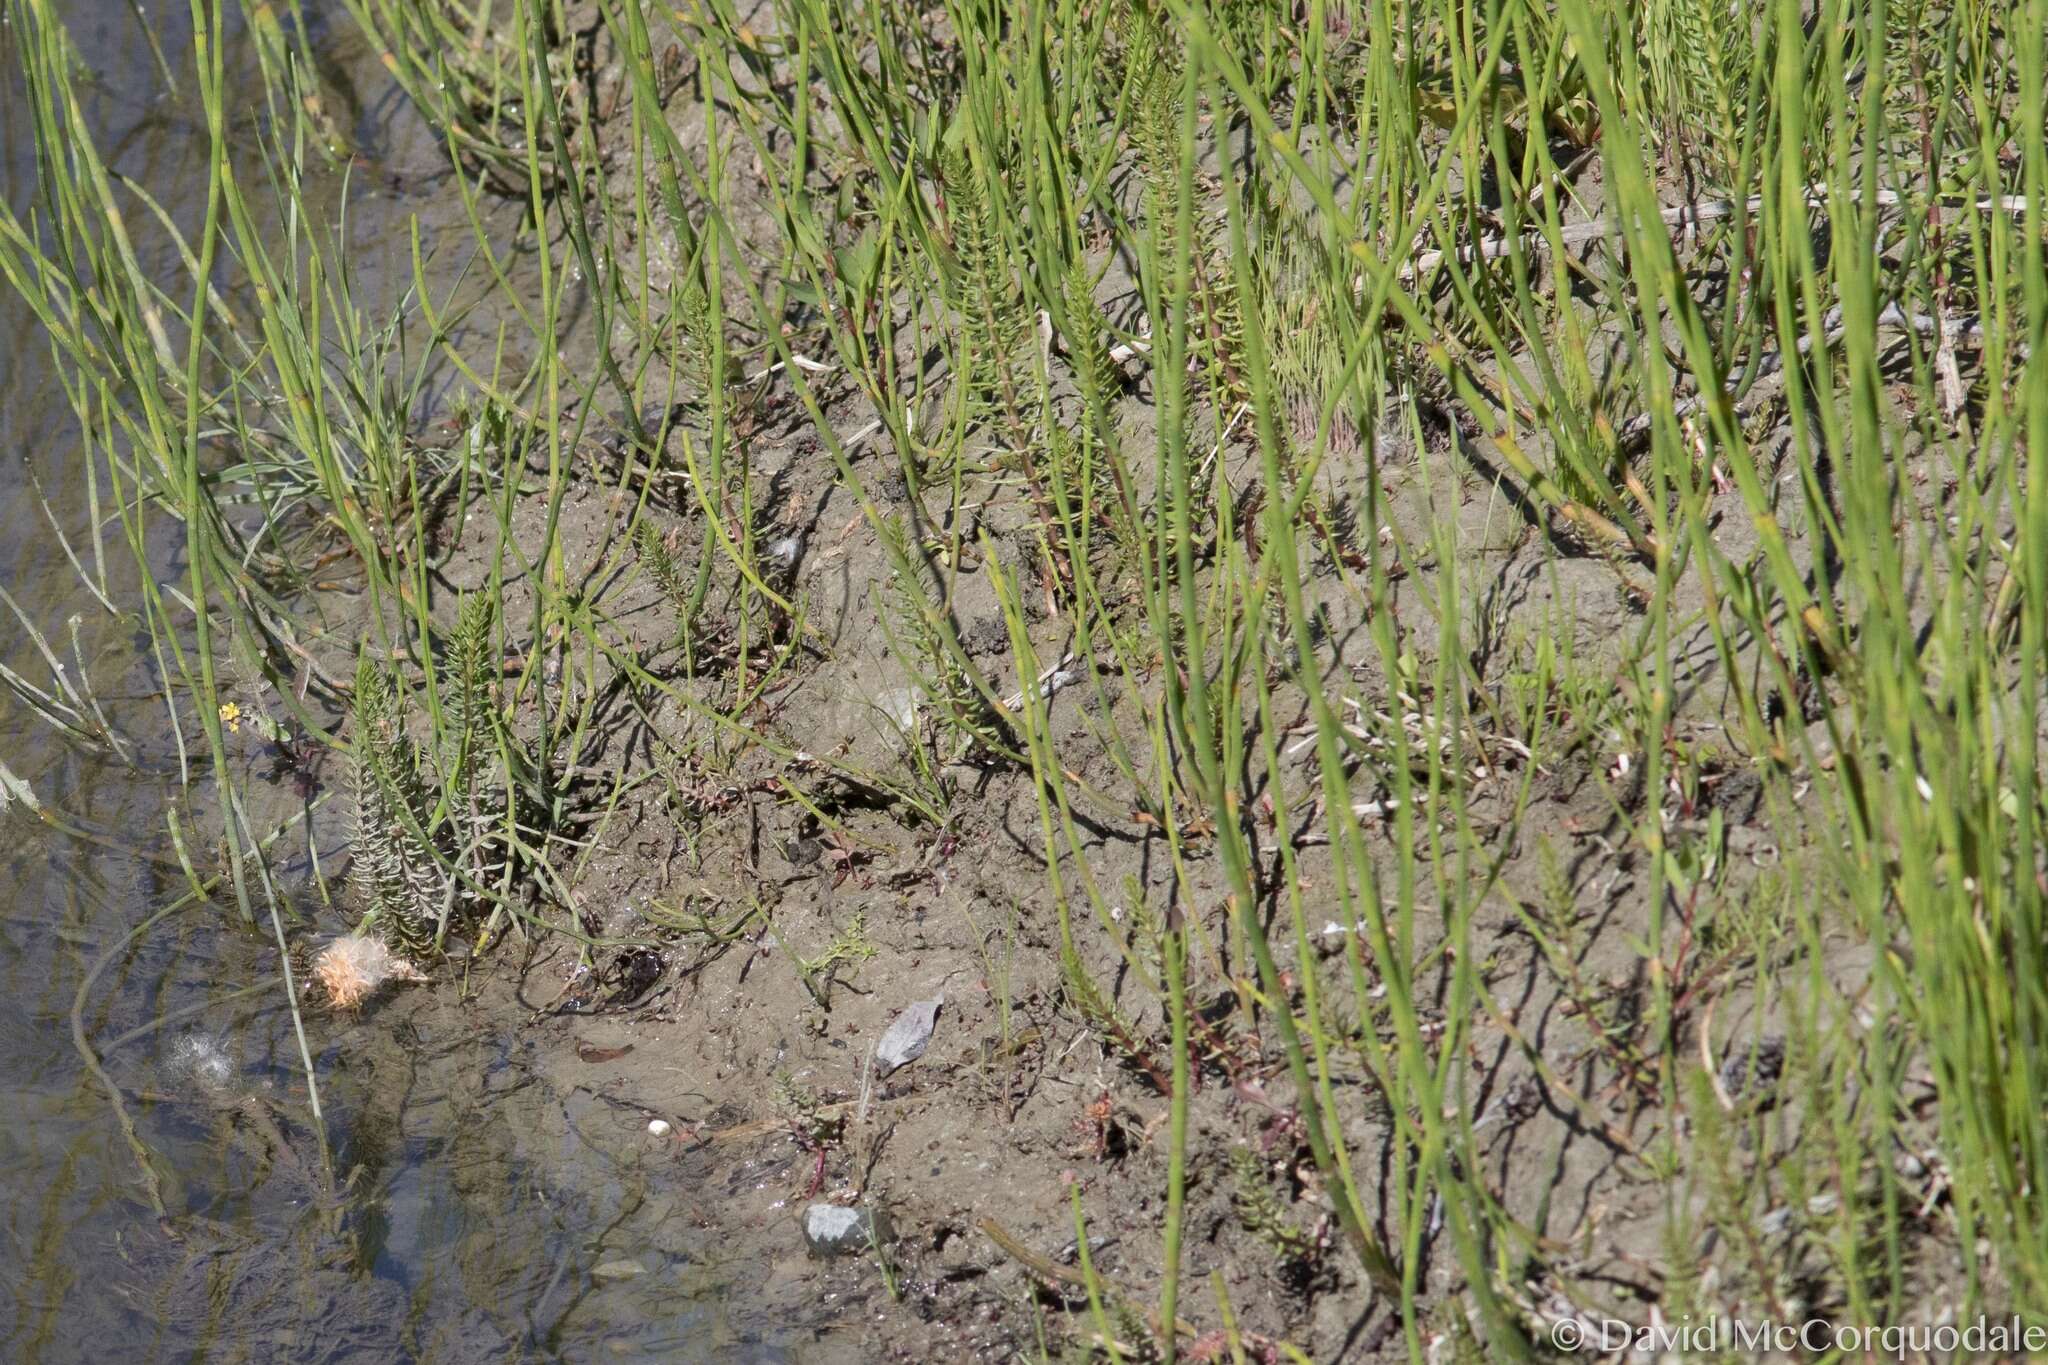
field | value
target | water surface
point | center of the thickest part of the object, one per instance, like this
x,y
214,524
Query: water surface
x,y
455,1205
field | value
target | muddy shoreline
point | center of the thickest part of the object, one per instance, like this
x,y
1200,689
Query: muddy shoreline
x,y
1456,925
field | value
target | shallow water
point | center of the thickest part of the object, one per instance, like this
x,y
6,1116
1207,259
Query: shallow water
x,y
455,1204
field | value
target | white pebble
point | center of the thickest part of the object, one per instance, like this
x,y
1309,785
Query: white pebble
x,y
658,1127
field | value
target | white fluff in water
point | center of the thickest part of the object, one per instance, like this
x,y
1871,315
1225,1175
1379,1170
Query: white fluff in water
x,y
350,969
200,1058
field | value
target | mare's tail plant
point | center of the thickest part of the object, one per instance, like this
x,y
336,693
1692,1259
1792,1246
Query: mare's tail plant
x,y
987,292
437,826
922,638
398,869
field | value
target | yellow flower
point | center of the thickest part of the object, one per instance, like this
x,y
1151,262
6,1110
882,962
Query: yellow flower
x,y
231,716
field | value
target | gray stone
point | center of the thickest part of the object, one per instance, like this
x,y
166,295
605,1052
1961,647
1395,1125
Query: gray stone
x,y
836,1230
906,1039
